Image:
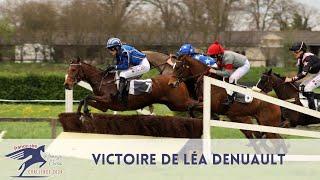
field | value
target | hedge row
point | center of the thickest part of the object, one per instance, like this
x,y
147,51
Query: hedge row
x,y
30,87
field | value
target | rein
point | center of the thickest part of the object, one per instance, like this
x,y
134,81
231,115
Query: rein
x,y
159,66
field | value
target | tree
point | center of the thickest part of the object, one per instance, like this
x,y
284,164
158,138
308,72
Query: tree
x,y
6,30
117,12
283,13
170,12
261,13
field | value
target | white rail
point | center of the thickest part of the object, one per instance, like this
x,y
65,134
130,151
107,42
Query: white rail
x,y
207,122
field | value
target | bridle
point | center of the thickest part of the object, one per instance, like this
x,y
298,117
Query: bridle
x,y
274,86
185,66
77,77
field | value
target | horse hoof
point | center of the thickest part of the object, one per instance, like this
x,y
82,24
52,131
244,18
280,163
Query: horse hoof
x,y
85,118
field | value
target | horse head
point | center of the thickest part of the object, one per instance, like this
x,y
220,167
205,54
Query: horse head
x,y
81,71
75,74
182,67
269,81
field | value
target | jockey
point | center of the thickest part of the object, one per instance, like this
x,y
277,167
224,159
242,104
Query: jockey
x,y
307,63
187,49
126,55
231,65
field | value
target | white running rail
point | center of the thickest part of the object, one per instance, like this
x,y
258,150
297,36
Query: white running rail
x,y
207,122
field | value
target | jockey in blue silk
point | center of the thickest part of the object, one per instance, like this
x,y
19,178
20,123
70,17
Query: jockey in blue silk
x,y
187,49
130,62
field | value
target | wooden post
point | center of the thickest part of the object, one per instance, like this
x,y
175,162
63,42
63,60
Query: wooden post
x,y
206,136
69,99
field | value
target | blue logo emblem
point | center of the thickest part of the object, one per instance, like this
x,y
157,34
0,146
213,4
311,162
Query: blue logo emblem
x,y
31,156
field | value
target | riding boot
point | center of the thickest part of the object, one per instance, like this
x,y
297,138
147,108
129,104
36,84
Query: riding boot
x,y
122,86
230,99
310,97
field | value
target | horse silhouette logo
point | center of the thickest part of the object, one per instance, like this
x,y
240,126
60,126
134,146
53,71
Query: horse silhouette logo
x,y
33,156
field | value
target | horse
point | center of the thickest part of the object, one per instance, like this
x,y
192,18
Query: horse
x,y
159,61
285,91
105,88
265,113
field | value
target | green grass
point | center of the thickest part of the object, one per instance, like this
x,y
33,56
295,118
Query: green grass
x,y
52,111
27,130
255,73
32,68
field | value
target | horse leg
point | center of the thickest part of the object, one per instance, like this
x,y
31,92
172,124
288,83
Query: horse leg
x,y
97,102
80,106
250,135
85,105
277,142
273,118
100,106
194,105
151,109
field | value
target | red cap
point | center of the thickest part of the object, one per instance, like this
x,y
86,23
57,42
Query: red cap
x,y
215,49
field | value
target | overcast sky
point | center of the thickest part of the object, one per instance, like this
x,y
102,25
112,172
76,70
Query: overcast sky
x,y
312,3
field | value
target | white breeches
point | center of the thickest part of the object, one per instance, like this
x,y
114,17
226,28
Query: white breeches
x,y
238,73
312,83
138,70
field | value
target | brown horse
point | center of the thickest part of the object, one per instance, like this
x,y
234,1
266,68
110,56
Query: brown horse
x,y
285,91
104,89
159,61
265,113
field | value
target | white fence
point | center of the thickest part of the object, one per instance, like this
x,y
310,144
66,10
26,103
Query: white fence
x,y
207,122
69,100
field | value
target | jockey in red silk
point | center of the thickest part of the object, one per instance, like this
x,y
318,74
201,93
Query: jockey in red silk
x,y
231,65
130,62
307,63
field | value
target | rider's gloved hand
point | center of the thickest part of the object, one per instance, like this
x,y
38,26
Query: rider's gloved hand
x,y
287,80
110,68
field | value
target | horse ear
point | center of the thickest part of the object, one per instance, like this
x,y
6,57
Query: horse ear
x,y
78,59
270,71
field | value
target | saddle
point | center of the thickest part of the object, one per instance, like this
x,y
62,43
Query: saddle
x,y
135,85
241,98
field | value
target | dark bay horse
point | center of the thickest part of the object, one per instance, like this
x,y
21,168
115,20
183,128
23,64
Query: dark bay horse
x,y
286,91
265,113
104,89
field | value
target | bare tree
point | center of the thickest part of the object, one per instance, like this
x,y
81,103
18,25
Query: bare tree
x,y
261,13
170,12
117,13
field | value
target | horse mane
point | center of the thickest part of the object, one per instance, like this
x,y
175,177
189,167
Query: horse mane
x,y
279,76
191,60
296,84
205,67
98,70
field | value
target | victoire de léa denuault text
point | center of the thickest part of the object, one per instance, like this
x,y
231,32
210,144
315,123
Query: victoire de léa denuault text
x,y
187,159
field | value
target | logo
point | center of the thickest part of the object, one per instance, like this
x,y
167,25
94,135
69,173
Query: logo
x,y
33,159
